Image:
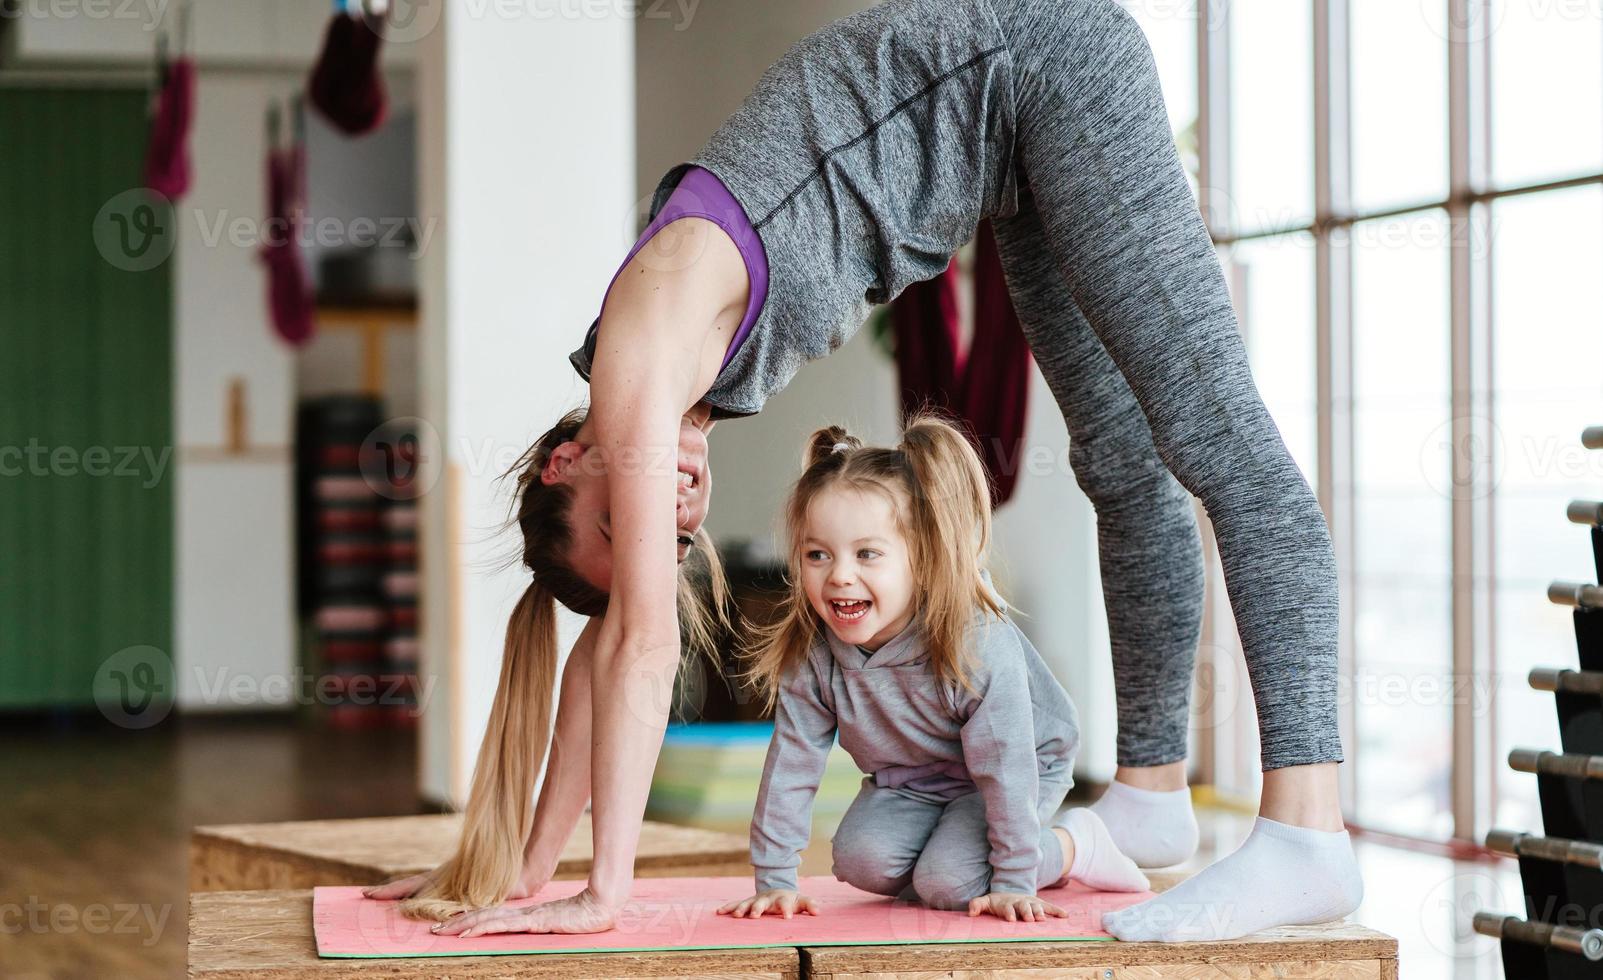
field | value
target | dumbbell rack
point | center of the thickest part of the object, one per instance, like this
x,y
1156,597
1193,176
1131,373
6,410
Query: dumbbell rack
x,y
1561,869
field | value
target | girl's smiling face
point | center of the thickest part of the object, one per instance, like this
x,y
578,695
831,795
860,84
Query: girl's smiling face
x,y
856,567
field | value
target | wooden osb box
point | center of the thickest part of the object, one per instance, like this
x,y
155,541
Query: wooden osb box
x,y
1339,951
267,935
303,854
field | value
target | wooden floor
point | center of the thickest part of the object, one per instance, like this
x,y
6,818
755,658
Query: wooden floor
x,y
94,828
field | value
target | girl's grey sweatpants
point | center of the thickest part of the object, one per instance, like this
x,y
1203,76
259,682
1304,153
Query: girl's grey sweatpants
x,y
1121,295
892,842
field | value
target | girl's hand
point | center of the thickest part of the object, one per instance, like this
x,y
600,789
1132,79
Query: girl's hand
x,y
782,901
581,913
1014,908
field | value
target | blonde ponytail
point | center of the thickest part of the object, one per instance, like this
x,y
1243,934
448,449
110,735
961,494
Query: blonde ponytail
x,y
951,526
500,810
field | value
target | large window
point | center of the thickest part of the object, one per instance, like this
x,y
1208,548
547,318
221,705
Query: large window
x,y
1547,308
1408,202
1401,556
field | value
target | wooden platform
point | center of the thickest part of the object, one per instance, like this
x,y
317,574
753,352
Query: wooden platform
x,y
242,857
1339,951
267,935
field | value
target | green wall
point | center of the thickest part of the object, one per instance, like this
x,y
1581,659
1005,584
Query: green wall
x,y
86,428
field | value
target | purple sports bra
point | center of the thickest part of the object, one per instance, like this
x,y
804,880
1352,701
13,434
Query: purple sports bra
x,y
700,194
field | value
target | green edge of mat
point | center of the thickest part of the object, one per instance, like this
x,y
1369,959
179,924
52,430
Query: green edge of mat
x,y
665,949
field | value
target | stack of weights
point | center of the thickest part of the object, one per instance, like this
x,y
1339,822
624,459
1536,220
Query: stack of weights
x,y
1561,870
401,648
345,554
399,681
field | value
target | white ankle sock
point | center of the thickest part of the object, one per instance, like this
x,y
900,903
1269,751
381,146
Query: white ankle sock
x,y
1155,828
1097,862
1282,876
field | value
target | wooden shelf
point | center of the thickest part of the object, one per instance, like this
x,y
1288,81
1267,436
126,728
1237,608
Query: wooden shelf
x,y
371,322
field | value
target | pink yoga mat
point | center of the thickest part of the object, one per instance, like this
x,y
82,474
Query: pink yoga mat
x,y
681,913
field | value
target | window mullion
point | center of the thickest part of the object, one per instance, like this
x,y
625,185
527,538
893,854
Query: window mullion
x,y
1474,776
1333,326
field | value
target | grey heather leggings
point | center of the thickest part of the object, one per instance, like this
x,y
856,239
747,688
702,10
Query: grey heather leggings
x,y
894,843
1121,296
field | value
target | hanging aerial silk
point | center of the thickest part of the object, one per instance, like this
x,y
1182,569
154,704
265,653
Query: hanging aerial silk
x,y
167,153
346,86
989,389
291,305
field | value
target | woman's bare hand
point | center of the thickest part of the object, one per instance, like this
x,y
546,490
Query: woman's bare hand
x,y
399,888
581,913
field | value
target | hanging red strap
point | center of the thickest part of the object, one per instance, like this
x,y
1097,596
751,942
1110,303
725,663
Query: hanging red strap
x,y
346,86
167,154
988,390
290,303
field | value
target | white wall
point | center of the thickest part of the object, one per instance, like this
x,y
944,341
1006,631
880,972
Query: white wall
x,y
526,127
234,615
1045,537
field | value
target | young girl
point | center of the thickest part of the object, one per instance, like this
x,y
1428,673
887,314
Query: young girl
x,y
892,637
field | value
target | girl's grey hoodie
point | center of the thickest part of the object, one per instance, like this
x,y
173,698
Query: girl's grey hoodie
x,y
1014,739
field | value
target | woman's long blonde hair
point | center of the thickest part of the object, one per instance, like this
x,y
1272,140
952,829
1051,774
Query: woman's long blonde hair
x,y
500,809
942,498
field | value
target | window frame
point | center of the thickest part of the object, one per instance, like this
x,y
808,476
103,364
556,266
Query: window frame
x,y
1227,756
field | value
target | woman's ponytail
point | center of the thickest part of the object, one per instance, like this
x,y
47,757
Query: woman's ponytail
x,y
500,810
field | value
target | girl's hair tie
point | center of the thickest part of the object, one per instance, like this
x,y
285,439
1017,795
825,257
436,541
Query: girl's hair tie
x,y
840,447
